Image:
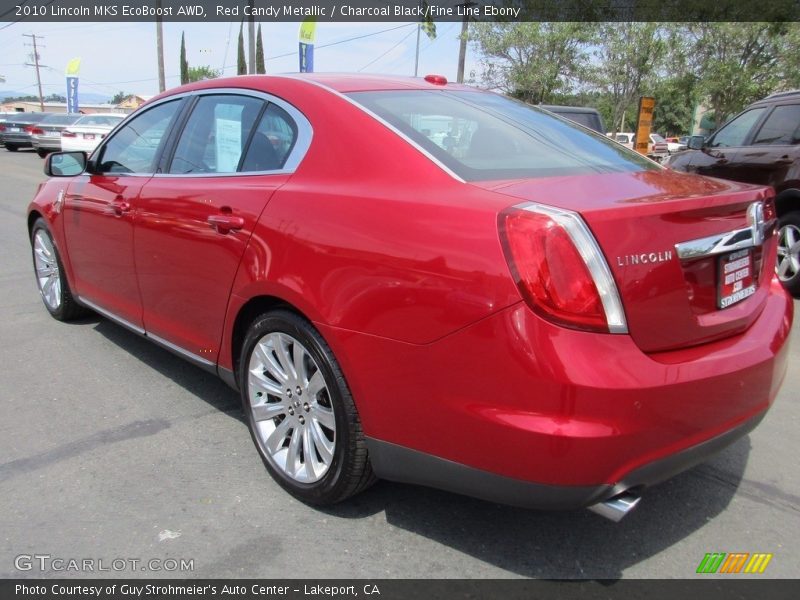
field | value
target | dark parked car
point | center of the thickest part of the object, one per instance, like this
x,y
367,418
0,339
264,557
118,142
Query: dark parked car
x,y
16,131
588,117
760,145
46,135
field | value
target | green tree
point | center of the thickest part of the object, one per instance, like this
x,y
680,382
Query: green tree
x,y
184,62
202,72
534,61
738,63
241,64
628,57
119,97
261,69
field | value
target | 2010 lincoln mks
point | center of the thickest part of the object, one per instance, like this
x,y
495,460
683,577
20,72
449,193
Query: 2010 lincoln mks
x,y
423,282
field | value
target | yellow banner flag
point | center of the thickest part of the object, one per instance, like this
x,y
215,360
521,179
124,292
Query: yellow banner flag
x,y
73,67
308,31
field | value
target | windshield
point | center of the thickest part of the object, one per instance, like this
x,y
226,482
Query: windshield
x,y
657,139
482,136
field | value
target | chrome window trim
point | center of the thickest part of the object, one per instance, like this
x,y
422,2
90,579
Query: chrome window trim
x,y
721,243
305,134
383,122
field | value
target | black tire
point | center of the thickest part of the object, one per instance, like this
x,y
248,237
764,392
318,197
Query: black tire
x,y
12,147
41,153
349,471
68,308
790,220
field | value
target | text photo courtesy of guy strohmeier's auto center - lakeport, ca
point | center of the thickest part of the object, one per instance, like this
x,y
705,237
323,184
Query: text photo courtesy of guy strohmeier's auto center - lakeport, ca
x,y
405,298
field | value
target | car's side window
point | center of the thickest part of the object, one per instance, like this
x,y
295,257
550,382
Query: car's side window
x,y
134,147
215,134
782,126
735,132
272,142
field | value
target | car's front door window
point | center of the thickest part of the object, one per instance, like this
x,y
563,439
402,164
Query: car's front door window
x,y
134,148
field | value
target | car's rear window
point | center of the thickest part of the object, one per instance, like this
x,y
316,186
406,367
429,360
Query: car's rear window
x,y
482,136
60,119
101,120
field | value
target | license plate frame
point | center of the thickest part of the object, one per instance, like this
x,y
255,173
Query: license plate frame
x,y
736,278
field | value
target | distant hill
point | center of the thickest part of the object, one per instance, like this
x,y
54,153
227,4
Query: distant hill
x,y
87,97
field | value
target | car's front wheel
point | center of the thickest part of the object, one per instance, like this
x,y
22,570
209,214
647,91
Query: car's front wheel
x,y
50,276
300,411
788,264
12,147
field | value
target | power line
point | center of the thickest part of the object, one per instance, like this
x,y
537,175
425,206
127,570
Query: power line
x,y
374,60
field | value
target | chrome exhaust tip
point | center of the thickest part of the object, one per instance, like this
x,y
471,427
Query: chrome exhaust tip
x,y
617,507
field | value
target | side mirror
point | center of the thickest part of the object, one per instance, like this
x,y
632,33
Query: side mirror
x,y
696,142
65,164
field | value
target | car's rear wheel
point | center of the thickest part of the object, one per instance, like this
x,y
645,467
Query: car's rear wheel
x,y
50,276
12,147
788,264
300,411
41,153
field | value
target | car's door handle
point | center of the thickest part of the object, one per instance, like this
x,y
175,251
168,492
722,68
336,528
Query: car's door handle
x,y
225,223
120,207
784,160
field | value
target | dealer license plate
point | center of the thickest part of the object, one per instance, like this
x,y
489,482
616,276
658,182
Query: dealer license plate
x,y
736,278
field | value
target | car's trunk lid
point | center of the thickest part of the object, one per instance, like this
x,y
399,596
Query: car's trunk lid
x,y
647,224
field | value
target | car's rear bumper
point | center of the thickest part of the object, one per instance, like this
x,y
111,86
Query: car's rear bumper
x,y
20,140
588,414
396,463
45,143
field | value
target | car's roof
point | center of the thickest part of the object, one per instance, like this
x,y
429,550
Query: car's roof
x,y
339,82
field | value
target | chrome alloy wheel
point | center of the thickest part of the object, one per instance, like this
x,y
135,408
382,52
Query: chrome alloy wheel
x,y
48,275
291,408
788,252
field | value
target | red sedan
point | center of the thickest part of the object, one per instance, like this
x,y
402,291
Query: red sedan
x,y
418,281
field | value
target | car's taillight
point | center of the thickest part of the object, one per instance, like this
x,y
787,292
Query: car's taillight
x,y
559,268
28,129
68,133
2,127
37,131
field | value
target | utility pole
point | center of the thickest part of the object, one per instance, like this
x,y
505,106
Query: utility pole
x,y
160,48
33,36
462,48
416,57
251,42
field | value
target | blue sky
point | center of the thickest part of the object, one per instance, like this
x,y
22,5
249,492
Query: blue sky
x,y
122,56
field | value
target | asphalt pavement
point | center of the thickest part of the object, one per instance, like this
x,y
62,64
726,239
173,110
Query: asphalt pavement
x,y
114,449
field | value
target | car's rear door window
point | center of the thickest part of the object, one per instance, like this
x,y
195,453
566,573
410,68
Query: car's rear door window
x,y
735,133
781,128
135,146
216,134
272,142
